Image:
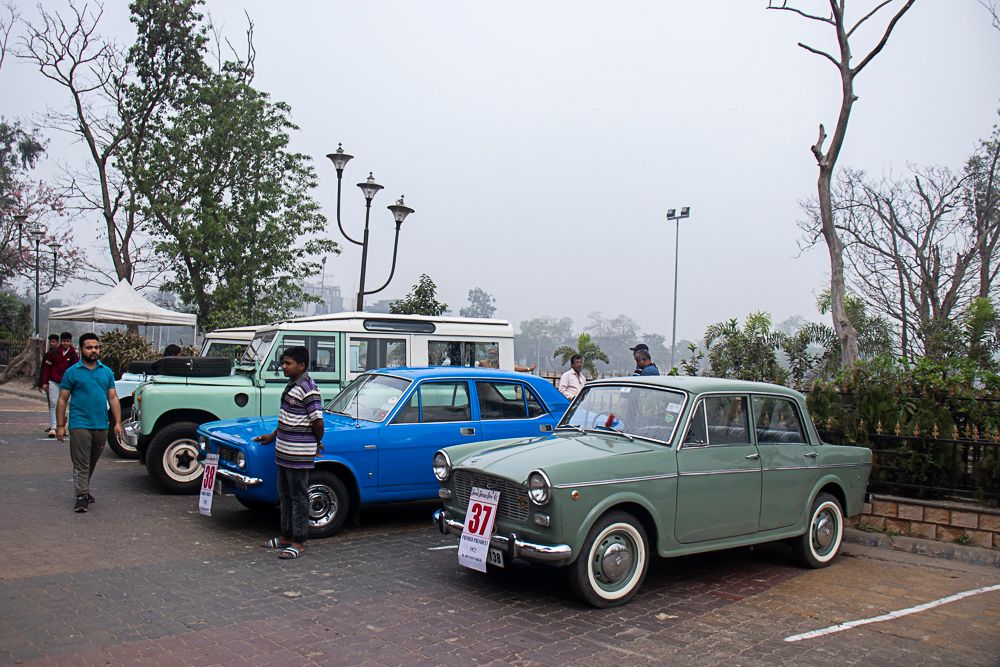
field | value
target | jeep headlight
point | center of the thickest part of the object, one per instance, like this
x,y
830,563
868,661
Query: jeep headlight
x,y
539,488
442,466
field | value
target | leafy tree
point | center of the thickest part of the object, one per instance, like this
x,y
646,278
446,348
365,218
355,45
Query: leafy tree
x,y
15,317
116,97
616,335
422,300
481,304
586,348
747,353
230,203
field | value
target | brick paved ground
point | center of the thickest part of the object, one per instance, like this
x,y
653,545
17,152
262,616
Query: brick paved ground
x,y
144,579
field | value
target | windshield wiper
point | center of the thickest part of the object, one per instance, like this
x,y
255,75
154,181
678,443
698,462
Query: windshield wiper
x,y
576,427
619,432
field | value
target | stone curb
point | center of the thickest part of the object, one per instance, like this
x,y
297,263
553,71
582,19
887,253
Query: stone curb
x,y
964,553
23,393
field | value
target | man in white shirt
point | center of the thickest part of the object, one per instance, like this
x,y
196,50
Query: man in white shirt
x,y
572,381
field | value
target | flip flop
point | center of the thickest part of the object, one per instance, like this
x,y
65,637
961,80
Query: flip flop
x,y
289,553
274,543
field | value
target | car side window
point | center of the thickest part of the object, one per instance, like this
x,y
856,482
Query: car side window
x,y
726,420
507,400
776,421
322,353
437,402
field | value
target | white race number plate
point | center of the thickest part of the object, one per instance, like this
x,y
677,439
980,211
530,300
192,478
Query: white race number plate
x,y
474,547
208,484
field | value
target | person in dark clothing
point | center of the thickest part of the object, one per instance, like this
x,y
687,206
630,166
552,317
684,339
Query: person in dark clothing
x,y
646,365
54,365
172,350
635,355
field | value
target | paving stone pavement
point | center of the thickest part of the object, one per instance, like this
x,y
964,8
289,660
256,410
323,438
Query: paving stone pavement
x,y
144,579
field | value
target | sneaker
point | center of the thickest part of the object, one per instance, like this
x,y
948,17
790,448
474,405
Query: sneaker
x,y
81,504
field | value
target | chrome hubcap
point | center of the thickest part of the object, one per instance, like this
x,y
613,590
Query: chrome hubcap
x,y
616,562
823,531
323,505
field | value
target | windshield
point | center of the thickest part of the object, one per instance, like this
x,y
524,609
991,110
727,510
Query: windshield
x,y
258,348
369,397
642,412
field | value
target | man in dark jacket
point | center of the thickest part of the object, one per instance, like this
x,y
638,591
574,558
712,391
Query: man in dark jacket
x,y
54,364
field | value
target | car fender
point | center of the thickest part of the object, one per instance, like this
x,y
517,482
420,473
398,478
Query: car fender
x,y
841,493
613,501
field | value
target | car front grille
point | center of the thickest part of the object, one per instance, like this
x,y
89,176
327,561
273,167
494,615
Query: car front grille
x,y
227,455
513,497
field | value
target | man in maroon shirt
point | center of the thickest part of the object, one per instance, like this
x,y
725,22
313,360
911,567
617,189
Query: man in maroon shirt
x,y
54,364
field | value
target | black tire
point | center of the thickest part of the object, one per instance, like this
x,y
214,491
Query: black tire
x,y
612,563
118,445
195,367
329,503
172,458
140,367
820,544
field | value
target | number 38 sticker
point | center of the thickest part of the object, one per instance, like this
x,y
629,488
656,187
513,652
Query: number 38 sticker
x,y
474,546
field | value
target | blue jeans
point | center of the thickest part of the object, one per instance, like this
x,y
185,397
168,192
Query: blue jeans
x,y
293,494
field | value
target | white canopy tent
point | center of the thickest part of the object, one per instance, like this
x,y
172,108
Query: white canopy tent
x,y
123,305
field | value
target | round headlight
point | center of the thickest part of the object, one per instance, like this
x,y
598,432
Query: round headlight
x,y
241,459
539,488
442,466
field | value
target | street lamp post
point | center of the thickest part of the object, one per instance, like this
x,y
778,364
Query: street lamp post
x,y
36,234
673,215
369,188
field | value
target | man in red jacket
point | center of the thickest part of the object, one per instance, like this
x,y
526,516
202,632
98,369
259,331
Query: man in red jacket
x,y
54,364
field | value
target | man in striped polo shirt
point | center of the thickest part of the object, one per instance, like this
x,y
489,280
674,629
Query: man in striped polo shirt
x,y
298,438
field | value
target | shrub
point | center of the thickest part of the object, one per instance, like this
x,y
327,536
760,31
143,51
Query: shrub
x,y
119,347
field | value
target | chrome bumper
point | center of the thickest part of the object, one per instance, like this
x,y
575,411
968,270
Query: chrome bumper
x,y
510,544
130,433
237,478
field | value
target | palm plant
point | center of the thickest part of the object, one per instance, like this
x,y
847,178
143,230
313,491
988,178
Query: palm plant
x,y
586,348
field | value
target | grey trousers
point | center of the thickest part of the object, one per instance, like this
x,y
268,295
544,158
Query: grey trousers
x,y
85,447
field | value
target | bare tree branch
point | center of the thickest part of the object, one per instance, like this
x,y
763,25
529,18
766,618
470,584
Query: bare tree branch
x,y
812,17
885,37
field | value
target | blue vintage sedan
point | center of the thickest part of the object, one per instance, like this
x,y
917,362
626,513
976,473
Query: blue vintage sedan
x,y
381,432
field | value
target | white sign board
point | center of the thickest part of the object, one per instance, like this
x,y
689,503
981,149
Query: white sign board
x,y
474,546
209,465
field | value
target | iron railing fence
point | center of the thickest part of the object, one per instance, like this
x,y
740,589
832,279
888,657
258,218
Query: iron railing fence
x,y
931,468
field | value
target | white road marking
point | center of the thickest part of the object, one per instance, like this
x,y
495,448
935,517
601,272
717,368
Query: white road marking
x,y
450,546
840,627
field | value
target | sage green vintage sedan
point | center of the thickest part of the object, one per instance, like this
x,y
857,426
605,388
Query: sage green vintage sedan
x,y
682,464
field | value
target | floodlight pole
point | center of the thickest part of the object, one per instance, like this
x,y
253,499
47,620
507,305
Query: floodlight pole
x,y
673,215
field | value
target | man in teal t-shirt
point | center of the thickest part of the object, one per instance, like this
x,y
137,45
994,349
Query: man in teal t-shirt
x,y
88,387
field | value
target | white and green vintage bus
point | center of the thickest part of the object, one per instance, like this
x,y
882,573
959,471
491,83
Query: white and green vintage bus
x,y
168,408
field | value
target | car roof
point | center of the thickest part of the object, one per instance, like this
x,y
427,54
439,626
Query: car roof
x,y
703,385
423,372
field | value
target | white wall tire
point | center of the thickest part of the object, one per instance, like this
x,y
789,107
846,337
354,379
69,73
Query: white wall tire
x,y
613,562
820,544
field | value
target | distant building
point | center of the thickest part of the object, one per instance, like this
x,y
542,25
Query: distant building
x,y
332,301
380,306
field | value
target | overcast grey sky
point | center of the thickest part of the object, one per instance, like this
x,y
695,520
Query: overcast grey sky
x,y
541,143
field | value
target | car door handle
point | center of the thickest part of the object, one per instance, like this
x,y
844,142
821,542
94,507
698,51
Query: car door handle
x,y
467,430
752,457
810,455
369,446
